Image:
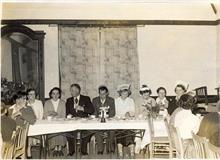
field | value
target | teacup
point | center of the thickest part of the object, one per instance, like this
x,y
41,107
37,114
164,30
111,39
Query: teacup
x,y
92,116
69,116
49,118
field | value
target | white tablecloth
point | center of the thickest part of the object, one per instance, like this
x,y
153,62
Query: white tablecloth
x,y
42,127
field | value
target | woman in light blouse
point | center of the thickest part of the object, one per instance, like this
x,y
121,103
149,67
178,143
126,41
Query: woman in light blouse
x,y
36,104
125,108
38,109
55,108
162,102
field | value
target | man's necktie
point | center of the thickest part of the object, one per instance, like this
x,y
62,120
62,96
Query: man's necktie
x,y
76,100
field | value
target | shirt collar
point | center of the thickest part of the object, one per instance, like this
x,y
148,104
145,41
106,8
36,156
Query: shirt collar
x,y
78,97
102,100
55,101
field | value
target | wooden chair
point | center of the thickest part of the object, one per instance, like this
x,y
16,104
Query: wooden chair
x,y
177,141
158,145
201,95
8,148
171,141
199,143
21,142
212,151
122,134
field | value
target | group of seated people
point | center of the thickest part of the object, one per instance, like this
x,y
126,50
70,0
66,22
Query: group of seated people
x,y
28,108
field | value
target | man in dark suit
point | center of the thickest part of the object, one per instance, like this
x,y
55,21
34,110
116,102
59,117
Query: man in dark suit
x,y
103,100
78,106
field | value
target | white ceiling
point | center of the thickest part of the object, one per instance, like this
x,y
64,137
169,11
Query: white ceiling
x,y
115,10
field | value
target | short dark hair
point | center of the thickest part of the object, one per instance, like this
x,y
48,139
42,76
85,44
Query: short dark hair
x,y
128,90
76,85
55,88
161,88
31,89
180,86
19,95
103,88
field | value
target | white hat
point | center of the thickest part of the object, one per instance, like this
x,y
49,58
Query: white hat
x,y
123,87
185,84
144,88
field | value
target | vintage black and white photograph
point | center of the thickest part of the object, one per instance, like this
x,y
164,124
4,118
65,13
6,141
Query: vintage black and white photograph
x,y
110,79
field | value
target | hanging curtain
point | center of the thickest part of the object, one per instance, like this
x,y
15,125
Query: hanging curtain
x,y
120,58
95,56
16,69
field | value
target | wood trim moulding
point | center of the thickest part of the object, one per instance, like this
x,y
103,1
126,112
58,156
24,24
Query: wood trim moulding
x,y
218,22
108,22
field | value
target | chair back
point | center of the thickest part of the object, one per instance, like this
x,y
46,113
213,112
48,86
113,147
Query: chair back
x,y
201,95
21,140
177,141
171,141
212,151
199,144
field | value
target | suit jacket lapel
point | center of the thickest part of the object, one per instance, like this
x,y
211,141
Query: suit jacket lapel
x,y
81,103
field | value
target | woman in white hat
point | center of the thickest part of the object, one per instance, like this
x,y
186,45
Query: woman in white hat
x,y
180,89
145,103
124,105
125,108
174,108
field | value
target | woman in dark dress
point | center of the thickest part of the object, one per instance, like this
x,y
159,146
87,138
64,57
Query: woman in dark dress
x,y
180,89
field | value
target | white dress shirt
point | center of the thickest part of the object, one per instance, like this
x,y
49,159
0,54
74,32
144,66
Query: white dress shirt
x,y
37,106
123,106
102,101
78,98
55,104
162,101
186,122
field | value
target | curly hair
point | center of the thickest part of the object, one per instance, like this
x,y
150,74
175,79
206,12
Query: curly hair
x,y
187,101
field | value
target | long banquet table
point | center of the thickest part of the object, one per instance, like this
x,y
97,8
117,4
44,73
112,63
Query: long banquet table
x,y
44,127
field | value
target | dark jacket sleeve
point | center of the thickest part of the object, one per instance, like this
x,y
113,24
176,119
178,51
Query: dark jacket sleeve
x,y
95,107
68,107
112,108
172,106
89,109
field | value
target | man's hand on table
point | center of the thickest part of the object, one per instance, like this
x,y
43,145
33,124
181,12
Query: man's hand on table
x,y
79,108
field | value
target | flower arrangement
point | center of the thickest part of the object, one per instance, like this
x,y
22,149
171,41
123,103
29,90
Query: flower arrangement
x,y
8,89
